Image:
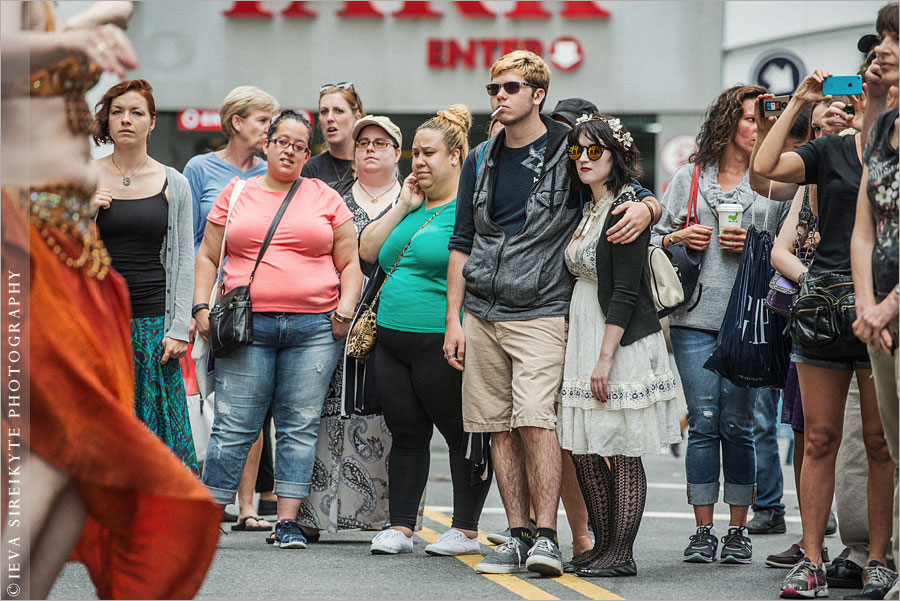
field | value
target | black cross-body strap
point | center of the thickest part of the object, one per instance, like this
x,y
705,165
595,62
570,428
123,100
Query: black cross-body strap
x,y
275,221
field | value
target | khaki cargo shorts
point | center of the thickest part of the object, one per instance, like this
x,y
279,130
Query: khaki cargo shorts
x,y
513,373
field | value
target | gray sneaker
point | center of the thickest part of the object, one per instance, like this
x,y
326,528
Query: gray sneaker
x,y
545,558
499,538
508,558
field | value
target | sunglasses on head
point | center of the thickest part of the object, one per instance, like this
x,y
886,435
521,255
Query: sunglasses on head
x,y
594,151
510,87
341,85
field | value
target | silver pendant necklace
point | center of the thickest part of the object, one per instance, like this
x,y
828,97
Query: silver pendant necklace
x,y
126,180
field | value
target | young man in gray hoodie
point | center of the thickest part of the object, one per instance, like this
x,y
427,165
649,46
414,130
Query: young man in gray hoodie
x,y
514,218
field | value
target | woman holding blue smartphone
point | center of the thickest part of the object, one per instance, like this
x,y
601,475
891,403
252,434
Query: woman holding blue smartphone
x,y
833,163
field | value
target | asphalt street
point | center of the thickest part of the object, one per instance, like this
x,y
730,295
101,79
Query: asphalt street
x,y
341,567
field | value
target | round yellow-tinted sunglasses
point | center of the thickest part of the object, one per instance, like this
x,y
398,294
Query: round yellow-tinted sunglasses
x,y
594,151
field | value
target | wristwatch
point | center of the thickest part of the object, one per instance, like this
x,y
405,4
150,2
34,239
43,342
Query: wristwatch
x,y
801,278
198,307
342,318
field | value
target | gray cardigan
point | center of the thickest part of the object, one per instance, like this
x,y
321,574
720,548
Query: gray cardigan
x,y
719,267
177,256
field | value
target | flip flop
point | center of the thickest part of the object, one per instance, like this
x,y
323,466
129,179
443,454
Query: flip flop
x,y
242,526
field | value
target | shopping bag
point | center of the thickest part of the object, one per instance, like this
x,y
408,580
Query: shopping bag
x,y
752,349
201,411
204,367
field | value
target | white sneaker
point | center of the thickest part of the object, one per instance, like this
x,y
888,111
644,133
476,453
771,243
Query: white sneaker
x,y
391,542
454,542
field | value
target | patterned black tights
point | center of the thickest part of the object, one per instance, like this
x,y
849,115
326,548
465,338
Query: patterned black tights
x,y
615,496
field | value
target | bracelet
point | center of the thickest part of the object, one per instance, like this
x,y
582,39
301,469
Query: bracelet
x,y
801,278
342,318
198,307
649,208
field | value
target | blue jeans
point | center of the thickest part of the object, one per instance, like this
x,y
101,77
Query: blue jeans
x,y
769,480
289,366
720,415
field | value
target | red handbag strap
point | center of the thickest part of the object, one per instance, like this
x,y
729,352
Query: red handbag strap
x,y
692,200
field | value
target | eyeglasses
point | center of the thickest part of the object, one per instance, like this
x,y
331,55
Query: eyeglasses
x,y
341,85
510,87
594,151
378,143
285,143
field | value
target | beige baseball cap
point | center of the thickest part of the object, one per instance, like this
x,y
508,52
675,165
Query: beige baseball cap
x,y
381,121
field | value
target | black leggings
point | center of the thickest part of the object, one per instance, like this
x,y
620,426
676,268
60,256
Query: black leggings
x,y
418,390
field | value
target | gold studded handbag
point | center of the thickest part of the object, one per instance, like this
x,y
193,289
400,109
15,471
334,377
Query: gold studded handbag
x,y
361,339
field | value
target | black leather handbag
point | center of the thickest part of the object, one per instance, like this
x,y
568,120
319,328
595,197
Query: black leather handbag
x,y
824,311
231,318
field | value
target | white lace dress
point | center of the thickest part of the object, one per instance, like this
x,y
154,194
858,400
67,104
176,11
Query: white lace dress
x,y
641,415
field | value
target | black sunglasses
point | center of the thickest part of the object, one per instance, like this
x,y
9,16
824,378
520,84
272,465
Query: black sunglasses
x,y
510,87
594,151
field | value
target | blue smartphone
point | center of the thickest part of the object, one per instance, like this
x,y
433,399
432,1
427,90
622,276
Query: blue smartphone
x,y
842,85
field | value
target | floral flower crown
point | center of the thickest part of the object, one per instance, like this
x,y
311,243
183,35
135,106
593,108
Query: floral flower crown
x,y
624,137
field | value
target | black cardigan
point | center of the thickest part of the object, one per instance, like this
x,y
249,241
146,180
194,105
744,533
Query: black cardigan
x,y
623,281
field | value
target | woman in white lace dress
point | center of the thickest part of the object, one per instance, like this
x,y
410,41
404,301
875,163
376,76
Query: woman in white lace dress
x,y
618,393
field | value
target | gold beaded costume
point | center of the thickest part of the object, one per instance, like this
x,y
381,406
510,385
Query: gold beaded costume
x,y
152,528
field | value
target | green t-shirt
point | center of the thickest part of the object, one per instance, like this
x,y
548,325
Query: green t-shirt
x,y
414,298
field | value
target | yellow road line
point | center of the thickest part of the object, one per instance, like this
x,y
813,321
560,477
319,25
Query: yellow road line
x,y
583,587
508,581
579,585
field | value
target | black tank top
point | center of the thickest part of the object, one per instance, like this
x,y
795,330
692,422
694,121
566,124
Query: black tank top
x,y
133,231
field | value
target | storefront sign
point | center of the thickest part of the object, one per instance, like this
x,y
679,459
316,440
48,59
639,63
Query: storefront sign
x,y
565,53
199,120
208,119
422,10
779,72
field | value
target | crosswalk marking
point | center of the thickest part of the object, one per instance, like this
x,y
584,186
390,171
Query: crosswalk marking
x,y
508,581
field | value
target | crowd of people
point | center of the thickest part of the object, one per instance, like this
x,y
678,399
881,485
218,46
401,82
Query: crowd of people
x,y
507,299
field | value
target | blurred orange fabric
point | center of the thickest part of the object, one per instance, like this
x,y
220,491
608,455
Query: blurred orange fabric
x,y
152,527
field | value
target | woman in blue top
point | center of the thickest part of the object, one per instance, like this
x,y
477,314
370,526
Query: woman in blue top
x,y
417,388
246,114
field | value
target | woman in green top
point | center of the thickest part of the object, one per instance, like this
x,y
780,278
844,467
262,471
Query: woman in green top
x,y
418,389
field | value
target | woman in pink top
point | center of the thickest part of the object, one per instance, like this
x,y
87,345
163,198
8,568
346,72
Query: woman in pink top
x,y
300,318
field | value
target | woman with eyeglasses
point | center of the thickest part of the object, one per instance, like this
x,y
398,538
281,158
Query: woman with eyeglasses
x,y
618,398
143,212
245,115
363,440
417,388
300,316
339,108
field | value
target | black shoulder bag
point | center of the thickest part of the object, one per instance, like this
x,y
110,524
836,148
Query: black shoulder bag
x,y
231,318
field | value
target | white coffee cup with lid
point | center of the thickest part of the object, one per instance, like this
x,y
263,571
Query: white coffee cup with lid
x,y
730,215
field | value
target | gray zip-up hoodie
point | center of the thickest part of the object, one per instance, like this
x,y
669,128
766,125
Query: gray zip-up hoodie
x,y
523,276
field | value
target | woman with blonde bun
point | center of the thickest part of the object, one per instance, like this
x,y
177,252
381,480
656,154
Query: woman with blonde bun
x,y
417,388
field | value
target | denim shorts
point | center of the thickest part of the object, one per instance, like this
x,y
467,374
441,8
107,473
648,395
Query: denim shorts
x,y
846,358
